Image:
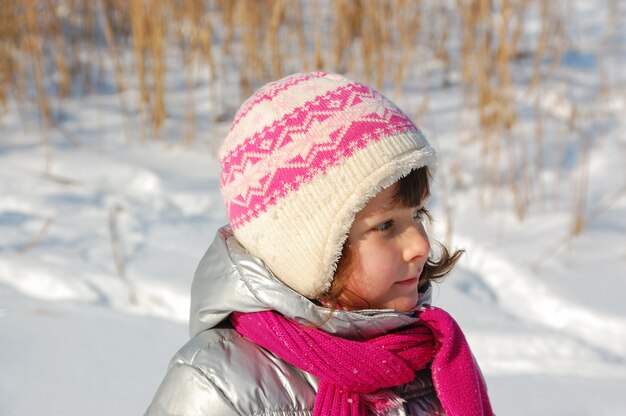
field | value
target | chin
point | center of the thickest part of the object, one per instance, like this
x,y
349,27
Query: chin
x,y
405,305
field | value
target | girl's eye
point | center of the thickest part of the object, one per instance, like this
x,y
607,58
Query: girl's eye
x,y
383,226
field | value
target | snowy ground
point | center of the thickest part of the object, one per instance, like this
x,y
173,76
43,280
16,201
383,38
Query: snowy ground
x,y
544,313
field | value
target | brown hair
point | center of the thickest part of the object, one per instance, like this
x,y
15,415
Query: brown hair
x,y
413,189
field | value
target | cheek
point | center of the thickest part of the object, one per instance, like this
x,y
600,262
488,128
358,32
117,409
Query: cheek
x,y
376,261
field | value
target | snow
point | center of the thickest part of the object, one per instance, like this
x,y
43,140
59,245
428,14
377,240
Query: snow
x,y
89,322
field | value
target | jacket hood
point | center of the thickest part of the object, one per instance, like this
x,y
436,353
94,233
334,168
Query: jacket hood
x,y
230,279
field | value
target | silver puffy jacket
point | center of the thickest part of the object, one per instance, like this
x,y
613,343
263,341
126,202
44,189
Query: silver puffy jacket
x,y
218,372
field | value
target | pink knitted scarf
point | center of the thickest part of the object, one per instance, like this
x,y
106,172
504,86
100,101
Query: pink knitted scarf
x,y
351,373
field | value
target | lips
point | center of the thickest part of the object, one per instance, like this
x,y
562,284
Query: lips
x,y
408,282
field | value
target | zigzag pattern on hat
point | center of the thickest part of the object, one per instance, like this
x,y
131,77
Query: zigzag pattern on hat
x,y
270,91
301,145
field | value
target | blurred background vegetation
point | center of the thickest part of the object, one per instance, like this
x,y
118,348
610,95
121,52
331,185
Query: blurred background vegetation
x,y
503,55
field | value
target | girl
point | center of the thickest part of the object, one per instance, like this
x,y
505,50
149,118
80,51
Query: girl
x,y
315,300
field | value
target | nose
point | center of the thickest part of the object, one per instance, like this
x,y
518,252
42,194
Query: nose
x,y
415,243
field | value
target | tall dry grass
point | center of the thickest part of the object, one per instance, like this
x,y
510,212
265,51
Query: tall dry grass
x,y
375,40
49,48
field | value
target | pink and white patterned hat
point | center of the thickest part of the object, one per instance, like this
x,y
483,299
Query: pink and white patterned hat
x,y
304,154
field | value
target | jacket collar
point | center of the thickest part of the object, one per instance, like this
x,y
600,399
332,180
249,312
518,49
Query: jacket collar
x,y
229,279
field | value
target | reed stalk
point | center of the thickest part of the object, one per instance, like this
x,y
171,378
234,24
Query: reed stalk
x,y
117,251
408,28
9,39
32,44
54,21
272,38
295,14
318,62
139,33
347,28
227,11
156,24
108,23
39,237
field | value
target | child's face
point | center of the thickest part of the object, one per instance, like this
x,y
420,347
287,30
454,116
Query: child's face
x,y
389,248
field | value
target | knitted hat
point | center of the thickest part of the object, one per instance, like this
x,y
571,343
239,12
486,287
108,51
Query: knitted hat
x,y
303,155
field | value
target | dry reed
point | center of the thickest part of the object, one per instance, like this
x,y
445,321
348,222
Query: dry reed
x,y
39,237
318,62
117,251
375,38
55,19
45,43
409,25
9,39
110,21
